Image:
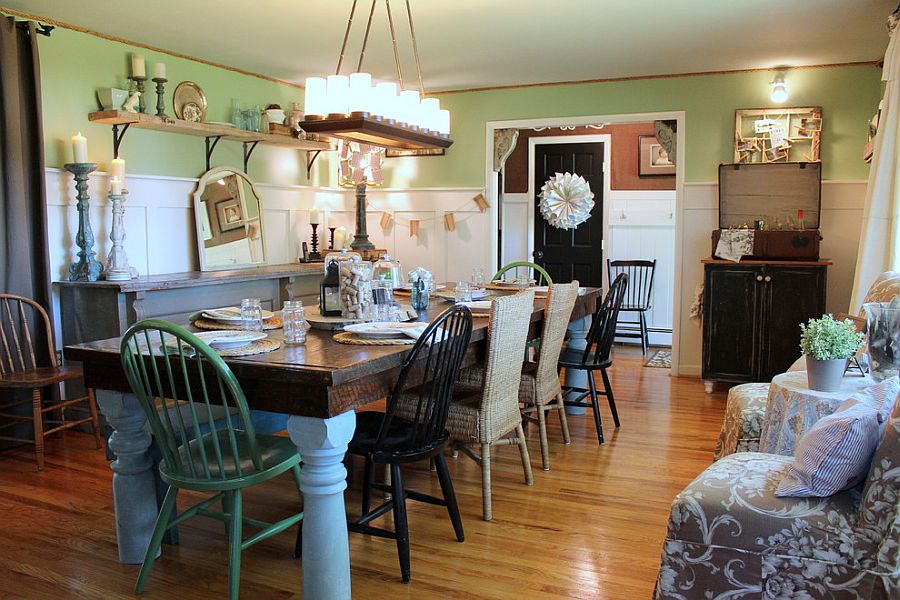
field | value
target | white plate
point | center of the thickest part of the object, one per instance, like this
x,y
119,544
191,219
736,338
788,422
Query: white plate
x,y
230,314
450,295
513,282
382,329
230,338
407,287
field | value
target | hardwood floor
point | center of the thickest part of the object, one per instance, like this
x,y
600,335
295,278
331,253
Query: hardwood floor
x,y
590,528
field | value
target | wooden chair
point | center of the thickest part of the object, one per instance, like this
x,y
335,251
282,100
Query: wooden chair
x,y
413,429
597,355
540,274
169,368
486,410
19,370
637,296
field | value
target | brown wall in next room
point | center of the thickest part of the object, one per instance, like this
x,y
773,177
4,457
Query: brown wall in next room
x,y
624,140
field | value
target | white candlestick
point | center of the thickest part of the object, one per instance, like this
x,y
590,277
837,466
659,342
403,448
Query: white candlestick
x,y
137,66
159,70
117,169
315,216
79,148
115,186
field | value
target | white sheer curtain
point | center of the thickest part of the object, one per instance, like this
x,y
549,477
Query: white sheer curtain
x,y
879,245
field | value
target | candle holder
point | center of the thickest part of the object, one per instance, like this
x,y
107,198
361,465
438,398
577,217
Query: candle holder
x,y
139,82
117,267
331,237
87,268
314,255
160,98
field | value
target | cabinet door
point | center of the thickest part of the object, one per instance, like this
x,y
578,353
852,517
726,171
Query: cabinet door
x,y
729,323
791,296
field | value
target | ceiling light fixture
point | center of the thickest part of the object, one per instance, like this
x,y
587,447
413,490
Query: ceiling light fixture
x,y
779,90
386,114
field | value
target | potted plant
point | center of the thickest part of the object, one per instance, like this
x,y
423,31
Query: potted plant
x,y
828,345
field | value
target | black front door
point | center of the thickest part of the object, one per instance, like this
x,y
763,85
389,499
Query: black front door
x,y
574,253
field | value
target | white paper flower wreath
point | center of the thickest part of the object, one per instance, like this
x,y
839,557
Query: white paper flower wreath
x,y
566,201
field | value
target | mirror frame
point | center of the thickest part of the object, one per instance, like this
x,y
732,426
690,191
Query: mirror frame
x,y
215,174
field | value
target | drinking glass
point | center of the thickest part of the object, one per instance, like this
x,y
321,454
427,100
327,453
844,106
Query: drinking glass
x,y
478,278
251,315
295,325
462,293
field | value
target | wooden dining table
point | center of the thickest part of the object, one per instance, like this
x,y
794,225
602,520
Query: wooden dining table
x,y
319,385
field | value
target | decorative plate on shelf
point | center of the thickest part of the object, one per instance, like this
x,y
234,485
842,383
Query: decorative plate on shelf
x,y
189,102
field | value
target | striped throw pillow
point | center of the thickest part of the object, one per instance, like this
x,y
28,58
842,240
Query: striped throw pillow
x,y
833,455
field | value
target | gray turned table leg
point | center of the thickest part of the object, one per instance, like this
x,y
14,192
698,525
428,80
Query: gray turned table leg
x,y
577,342
134,492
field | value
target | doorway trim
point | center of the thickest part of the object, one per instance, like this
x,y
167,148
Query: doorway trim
x,y
606,140
491,191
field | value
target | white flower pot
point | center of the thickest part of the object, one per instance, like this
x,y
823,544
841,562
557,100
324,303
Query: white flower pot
x,y
825,375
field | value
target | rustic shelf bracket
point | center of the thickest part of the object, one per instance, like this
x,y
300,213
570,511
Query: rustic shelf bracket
x,y
117,137
248,153
210,147
310,159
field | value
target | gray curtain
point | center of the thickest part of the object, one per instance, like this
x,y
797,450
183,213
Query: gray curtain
x,y
24,255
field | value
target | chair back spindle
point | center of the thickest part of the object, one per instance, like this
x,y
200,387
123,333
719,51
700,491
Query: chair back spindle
x,y
602,333
178,379
640,281
435,360
18,333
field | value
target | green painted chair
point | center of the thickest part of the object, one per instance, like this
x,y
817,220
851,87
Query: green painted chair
x,y
540,274
168,367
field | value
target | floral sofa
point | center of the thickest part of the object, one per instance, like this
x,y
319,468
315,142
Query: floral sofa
x,y
730,537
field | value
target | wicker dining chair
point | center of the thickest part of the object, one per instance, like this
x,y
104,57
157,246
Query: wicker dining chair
x,y
169,368
413,429
485,411
20,355
597,356
637,299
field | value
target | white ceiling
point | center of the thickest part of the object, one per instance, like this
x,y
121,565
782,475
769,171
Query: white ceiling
x,y
482,43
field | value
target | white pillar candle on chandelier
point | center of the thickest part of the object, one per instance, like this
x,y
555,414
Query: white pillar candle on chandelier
x,y
386,100
360,93
314,100
409,107
337,95
431,108
443,122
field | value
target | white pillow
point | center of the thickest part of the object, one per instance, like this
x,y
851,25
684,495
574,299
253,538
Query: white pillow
x,y
834,454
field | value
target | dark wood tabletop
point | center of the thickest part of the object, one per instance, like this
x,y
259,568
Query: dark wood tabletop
x,y
319,379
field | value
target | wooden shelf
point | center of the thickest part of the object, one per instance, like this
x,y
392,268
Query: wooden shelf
x,y
206,130
367,130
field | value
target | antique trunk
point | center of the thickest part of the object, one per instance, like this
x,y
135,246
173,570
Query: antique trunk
x,y
780,202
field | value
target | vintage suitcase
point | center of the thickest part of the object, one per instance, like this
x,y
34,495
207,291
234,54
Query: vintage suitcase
x,y
785,197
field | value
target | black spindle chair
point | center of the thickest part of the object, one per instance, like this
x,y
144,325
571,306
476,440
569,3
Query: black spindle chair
x,y
425,383
637,296
597,355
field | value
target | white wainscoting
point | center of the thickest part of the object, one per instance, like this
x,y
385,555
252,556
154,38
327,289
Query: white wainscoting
x,y
161,238
642,227
842,209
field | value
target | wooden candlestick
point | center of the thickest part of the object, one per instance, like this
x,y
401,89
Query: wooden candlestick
x,y
87,268
314,255
139,81
331,237
361,239
160,97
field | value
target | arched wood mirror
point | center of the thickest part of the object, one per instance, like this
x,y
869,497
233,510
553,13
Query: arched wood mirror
x,y
228,215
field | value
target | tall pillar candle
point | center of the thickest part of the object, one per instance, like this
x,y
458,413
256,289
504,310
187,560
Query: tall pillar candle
x,y
79,148
138,68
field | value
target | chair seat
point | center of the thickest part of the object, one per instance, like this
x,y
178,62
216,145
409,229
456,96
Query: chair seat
x,y
397,440
634,308
745,411
589,366
278,455
39,377
462,421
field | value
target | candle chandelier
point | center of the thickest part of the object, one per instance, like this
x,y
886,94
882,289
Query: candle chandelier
x,y
354,108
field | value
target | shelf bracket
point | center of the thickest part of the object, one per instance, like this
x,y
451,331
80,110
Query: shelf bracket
x,y
118,137
210,147
248,153
310,159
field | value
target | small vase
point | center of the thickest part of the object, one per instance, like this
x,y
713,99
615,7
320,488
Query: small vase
x,y
883,339
825,375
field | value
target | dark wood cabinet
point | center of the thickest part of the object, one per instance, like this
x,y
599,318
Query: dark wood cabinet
x,y
752,313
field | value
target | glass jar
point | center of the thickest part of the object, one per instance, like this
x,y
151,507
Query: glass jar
x,y
883,332
389,270
339,255
356,289
295,326
251,315
419,295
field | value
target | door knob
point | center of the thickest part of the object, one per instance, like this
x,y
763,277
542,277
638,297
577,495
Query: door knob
x,y
768,278
538,254
759,277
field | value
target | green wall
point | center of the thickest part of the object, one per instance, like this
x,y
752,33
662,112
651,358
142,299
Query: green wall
x,y
74,65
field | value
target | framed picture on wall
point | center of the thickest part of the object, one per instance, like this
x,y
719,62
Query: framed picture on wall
x,y
230,214
652,158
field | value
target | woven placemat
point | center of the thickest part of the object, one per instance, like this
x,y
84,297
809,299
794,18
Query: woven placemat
x,y
258,347
268,324
347,337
